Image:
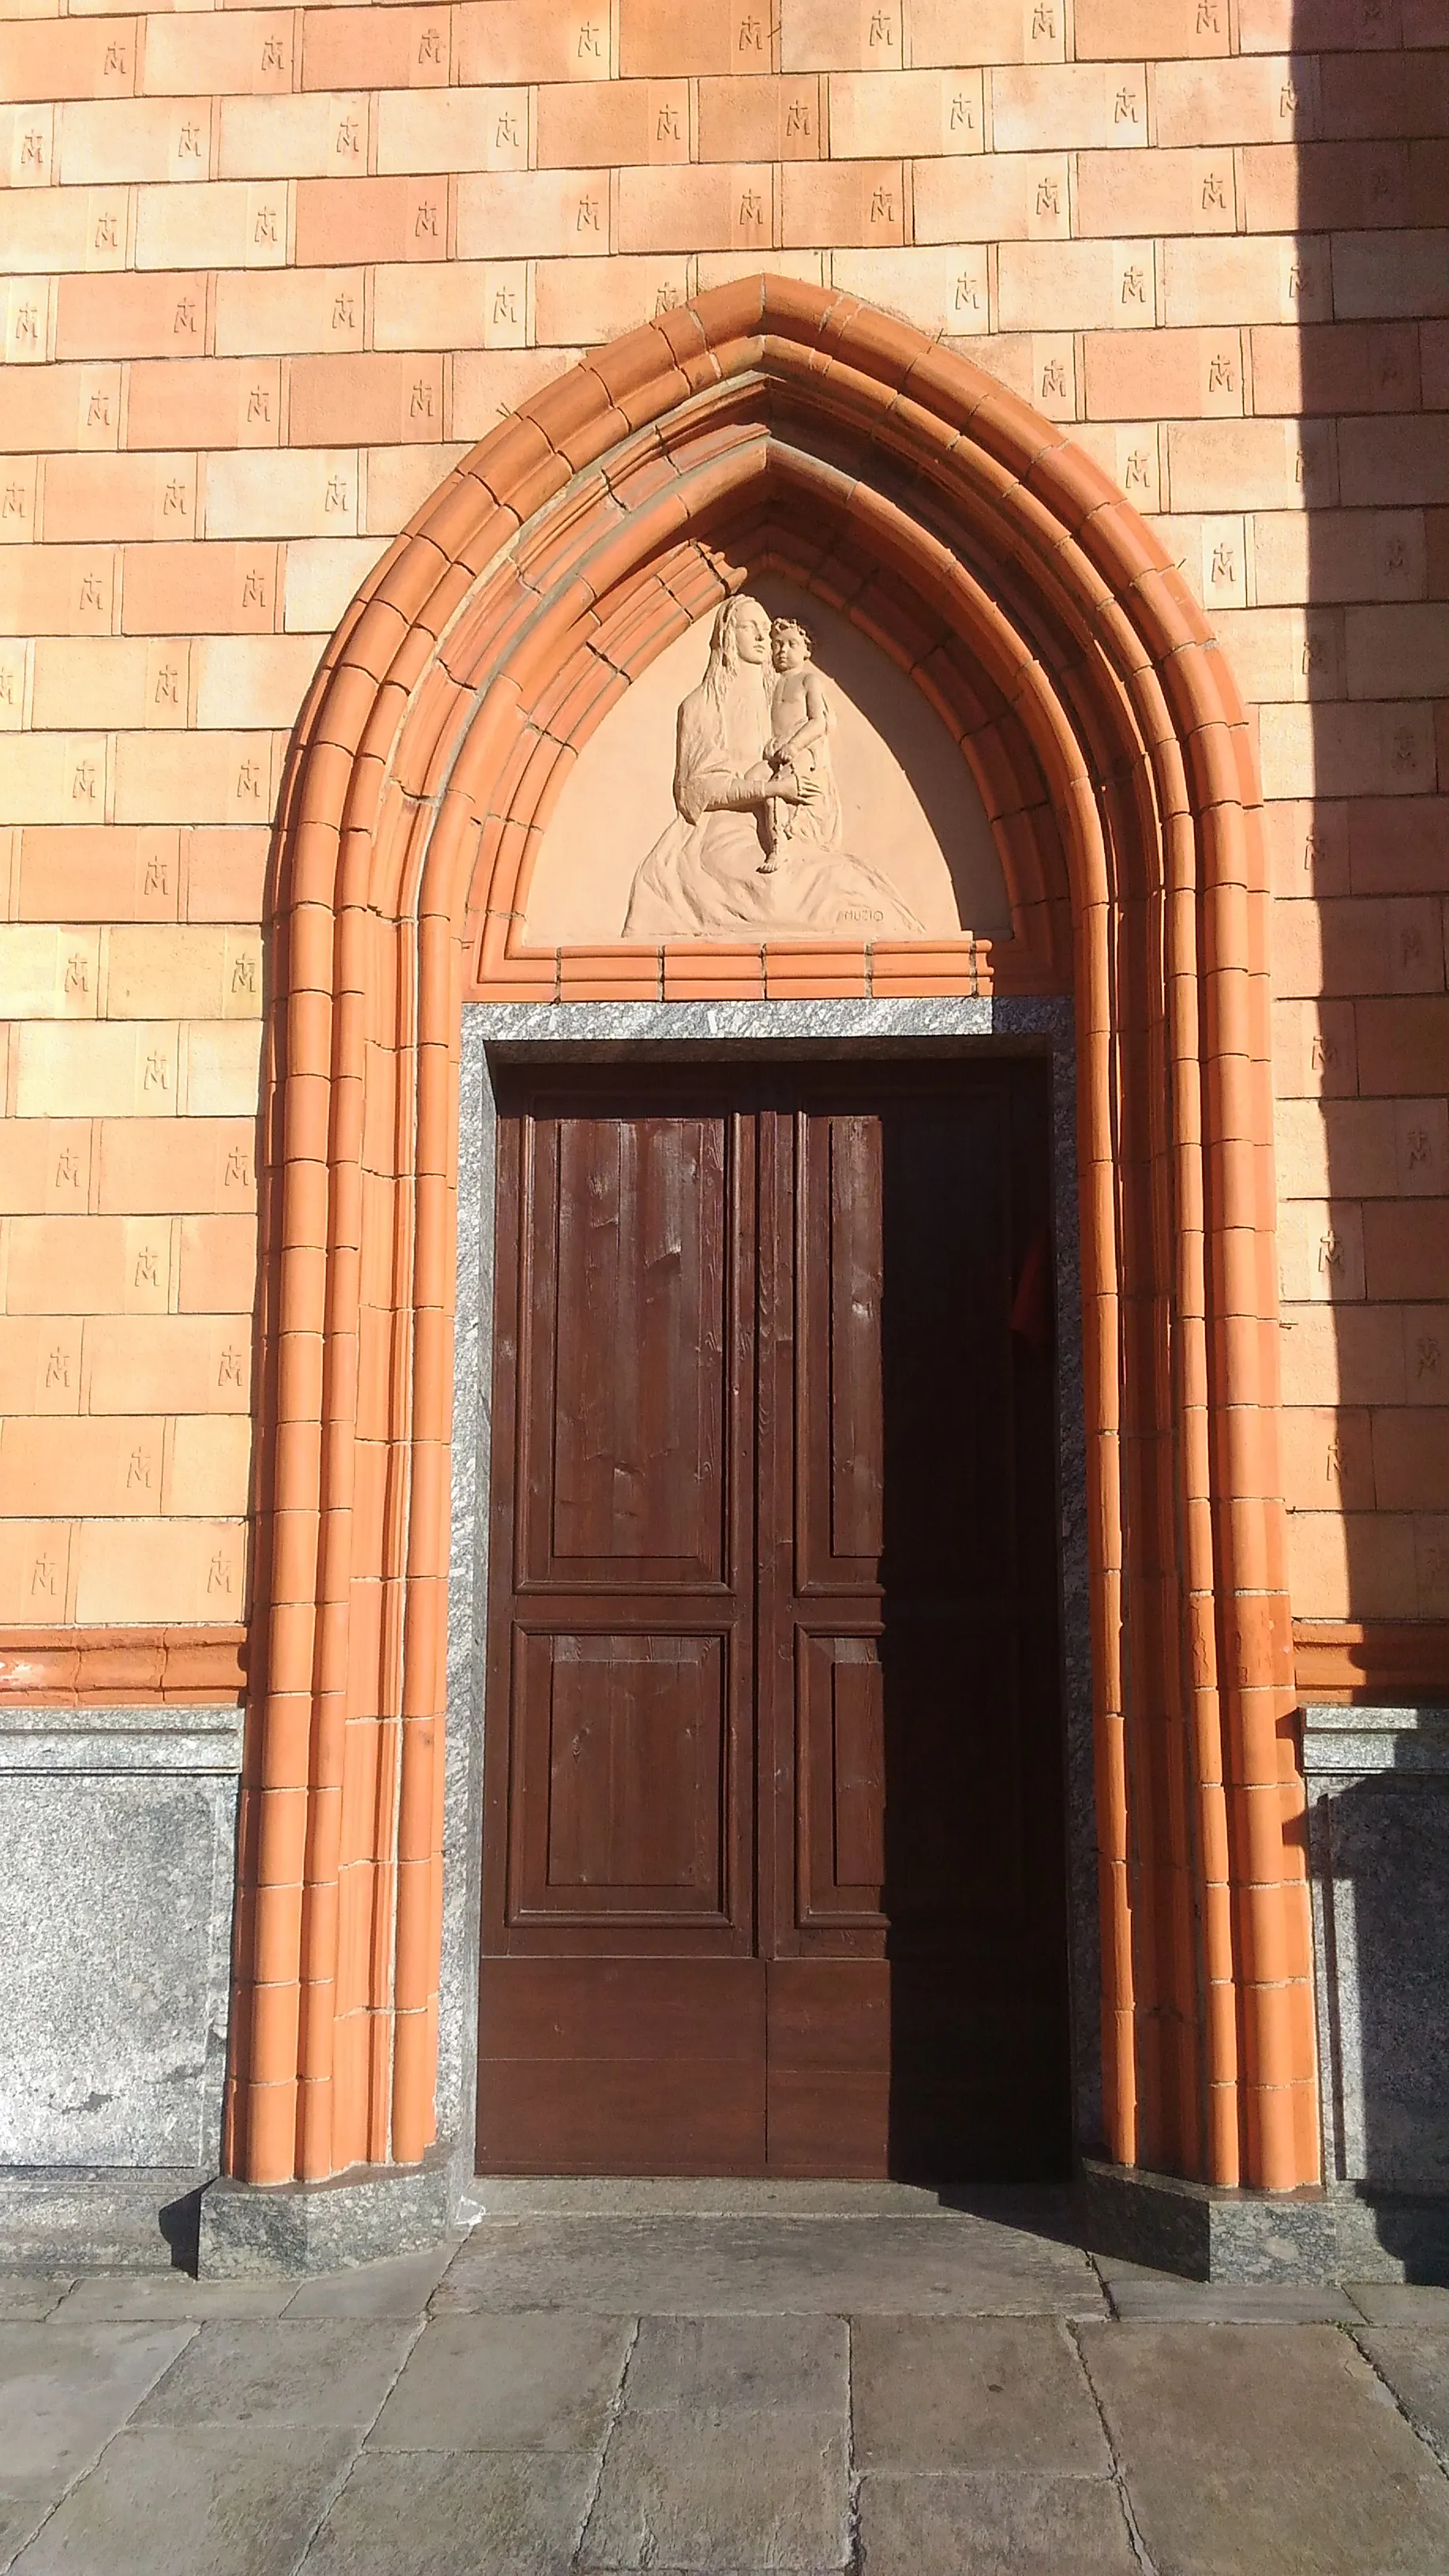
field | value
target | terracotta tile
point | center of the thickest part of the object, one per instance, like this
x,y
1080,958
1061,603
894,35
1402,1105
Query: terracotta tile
x,y
1388,96
1406,1246
1113,29
1403,1045
718,206
405,49
555,214
352,221
618,124
36,1559
843,204
224,870
198,1364
841,35
993,197
132,317
69,58
250,50
40,1364
322,134
452,130
663,39
204,402
1336,367
106,497
146,1570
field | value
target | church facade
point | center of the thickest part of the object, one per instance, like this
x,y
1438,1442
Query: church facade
x,y
726,1241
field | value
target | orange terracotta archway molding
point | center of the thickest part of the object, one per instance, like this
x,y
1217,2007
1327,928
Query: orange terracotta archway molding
x,y
1049,629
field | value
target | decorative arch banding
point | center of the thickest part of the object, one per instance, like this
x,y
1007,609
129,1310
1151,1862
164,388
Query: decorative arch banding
x,y
810,434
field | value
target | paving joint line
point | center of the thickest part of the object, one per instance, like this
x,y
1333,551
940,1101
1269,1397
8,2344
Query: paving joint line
x,y
1422,2432
1135,2540
611,2423
339,2483
852,2474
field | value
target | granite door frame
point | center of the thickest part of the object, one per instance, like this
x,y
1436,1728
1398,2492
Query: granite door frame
x,y
596,1032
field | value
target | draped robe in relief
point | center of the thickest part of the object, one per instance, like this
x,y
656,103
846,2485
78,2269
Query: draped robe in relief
x,y
702,878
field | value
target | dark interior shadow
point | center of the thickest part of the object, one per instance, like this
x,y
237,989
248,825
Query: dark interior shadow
x,y
975,1859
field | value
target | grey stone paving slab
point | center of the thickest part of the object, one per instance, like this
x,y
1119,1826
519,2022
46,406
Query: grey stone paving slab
x,y
997,2526
438,2513
1229,2303
64,2391
138,2297
543,2382
968,2393
399,2287
715,2488
26,2295
198,2502
318,2372
731,2450
1400,2303
1415,2362
1048,2210
942,2265
742,2365
1247,2447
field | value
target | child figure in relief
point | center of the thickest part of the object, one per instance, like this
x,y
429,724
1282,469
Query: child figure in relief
x,y
801,721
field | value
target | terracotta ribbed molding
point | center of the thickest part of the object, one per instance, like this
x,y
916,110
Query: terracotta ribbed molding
x,y
771,423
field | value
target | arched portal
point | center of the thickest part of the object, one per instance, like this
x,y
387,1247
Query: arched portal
x,y
1022,594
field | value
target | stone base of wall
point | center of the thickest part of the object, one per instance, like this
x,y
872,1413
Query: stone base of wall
x,y
119,1829
100,2218
1378,1791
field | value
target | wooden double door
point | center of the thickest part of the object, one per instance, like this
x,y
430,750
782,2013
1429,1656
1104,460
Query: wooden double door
x,y
773,1868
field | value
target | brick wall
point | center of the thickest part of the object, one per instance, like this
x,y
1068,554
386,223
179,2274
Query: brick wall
x,y
274,270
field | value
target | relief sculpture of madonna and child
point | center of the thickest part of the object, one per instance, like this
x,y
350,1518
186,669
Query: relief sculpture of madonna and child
x,y
771,775
757,837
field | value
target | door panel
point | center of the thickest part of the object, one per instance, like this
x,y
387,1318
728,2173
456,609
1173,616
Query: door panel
x,y
621,2066
629,1267
620,1772
773,1873
839,1782
829,2066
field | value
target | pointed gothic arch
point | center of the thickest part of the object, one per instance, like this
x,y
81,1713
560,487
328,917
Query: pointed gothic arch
x,y
1045,624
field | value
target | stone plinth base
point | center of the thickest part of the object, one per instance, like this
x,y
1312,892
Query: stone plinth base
x,y
1208,2234
1346,2233
354,2217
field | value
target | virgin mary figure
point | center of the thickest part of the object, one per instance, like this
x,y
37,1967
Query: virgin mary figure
x,y
708,875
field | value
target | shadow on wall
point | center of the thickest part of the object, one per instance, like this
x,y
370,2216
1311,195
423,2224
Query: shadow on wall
x,y
1362,1039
